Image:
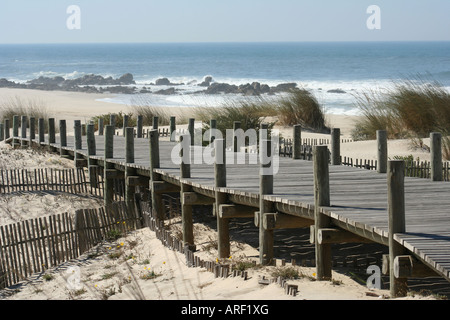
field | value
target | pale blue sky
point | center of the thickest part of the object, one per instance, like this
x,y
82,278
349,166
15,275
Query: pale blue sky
x,y
44,21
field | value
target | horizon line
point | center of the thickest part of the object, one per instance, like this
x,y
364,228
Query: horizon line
x,y
223,42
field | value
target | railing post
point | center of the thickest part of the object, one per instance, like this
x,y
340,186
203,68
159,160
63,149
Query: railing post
x,y
7,129
109,154
155,125
129,171
321,199
32,129
191,130
396,211
335,147
220,181
236,140
2,132
157,202
212,130
266,254
23,127
100,126
91,146
172,128
297,142
62,137
78,141
15,129
436,156
51,131
112,121
139,125
186,210
41,130
125,124
382,155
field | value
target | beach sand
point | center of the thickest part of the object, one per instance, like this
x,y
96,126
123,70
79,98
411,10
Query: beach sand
x,y
142,254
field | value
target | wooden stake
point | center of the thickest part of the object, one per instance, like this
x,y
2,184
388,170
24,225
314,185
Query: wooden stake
x,y
382,155
335,147
396,210
297,142
321,199
436,156
220,181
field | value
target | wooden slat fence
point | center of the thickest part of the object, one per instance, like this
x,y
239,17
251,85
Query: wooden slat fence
x,y
34,245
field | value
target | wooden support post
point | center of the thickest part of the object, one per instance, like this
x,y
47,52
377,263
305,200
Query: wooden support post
x,y
220,181
155,125
173,128
265,188
2,132
32,129
140,125
23,127
16,126
396,210
335,147
297,142
321,199
101,126
125,124
436,156
157,201
51,130
16,120
191,130
90,139
236,140
108,196
62,137
112,120
382,154
212,128
7,129
186,210
41,130
78,141
129,171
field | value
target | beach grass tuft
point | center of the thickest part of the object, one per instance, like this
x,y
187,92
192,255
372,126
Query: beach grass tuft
x,y
23,107
410,109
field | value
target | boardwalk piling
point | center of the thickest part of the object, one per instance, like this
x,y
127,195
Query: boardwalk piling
x,y
62,137
7,129
41,130
212,128
157,201
129,171
236,141
112,120
23,128
155,125
125,124
382,154
2,132
186,210
15,129
51,131
139,125
265,188
220,181
335,146
436,156
191,130
109,154
297,142
90,138
100,126
173,128
396,211
32,129
78,141
321,199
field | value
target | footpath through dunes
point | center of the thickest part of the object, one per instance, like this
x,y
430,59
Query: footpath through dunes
x,y
357,210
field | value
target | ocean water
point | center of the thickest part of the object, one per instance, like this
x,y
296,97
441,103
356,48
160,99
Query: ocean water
x,y
353,67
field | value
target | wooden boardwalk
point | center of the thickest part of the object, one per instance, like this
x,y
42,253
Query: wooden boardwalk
x,y
358,197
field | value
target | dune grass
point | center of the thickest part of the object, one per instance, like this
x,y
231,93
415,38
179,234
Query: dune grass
x,y
23,107
410,109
